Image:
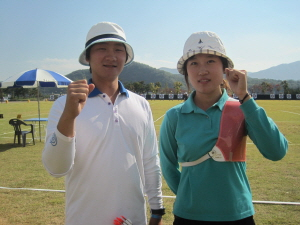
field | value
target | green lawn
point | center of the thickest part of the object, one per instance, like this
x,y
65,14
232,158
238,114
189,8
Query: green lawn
x,y
22,168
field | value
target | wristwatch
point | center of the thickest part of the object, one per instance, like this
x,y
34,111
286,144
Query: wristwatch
x,y
158,211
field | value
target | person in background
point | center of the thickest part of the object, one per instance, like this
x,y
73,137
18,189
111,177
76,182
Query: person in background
x,y
101,137
206,136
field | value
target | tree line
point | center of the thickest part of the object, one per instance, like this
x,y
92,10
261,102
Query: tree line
x,y
140,87
271,88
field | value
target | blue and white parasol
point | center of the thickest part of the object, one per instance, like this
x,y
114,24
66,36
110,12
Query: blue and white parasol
x,y
35,79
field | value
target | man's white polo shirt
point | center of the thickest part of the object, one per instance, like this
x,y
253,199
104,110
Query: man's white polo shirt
x,y
111,161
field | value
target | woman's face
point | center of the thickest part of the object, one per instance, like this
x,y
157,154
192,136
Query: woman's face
x,y
205,73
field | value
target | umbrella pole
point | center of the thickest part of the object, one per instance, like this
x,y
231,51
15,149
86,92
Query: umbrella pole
x,y
38,98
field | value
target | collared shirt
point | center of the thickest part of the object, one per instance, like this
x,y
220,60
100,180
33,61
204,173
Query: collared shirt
x,y
212,191
96,91
110,162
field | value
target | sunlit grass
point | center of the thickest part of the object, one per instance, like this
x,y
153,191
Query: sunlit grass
x,y
22,168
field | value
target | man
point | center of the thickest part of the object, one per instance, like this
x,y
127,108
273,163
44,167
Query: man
x,y
102,138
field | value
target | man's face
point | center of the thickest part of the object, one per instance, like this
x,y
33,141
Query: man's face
x,y
107,60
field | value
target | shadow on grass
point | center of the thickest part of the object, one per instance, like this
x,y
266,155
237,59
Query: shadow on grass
x,y
5,147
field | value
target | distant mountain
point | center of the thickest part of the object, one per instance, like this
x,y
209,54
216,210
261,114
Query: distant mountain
x,y
290,71
136,72
141,72
173,71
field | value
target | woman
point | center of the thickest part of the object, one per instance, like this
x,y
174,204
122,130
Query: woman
x,y
207,135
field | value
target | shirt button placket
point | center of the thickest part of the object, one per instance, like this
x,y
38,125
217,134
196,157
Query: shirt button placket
x,y
116,115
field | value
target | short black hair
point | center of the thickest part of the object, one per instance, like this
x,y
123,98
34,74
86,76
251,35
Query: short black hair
x,y
88,52
224,62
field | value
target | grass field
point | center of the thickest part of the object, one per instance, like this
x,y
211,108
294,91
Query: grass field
x,y
22,168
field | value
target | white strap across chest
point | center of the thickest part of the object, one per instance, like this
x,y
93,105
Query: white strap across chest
x,y
215,154
231,143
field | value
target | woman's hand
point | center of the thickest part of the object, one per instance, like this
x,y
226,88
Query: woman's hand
x,y
237,80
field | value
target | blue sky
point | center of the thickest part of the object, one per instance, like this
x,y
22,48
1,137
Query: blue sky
x,y
50,34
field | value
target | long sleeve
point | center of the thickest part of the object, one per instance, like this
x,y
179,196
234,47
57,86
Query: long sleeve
x,y
59,151
152,167
168,153
263,132
113,160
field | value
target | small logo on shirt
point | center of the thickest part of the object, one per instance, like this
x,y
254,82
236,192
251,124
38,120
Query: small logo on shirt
x,y
53,140
200,41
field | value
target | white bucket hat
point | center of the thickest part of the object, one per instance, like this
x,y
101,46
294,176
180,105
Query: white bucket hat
x,y
104,32
204,42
